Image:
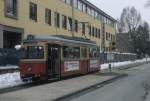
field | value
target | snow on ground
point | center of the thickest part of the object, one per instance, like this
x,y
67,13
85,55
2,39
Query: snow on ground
x,y
118,64
9,67
13,79
10,80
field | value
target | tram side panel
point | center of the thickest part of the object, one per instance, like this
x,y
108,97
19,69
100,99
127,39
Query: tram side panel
x,y
94,65
84,65
33,70
70,68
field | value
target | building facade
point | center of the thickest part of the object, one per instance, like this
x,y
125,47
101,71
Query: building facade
x,y
80,18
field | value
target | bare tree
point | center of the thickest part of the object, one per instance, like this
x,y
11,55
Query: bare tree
x,y
147,3
130,20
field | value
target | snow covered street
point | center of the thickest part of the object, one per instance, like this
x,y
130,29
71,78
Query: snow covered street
x,y
13,79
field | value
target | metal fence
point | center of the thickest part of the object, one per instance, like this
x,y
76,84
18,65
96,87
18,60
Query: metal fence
x,y
9,57
12,57
118,57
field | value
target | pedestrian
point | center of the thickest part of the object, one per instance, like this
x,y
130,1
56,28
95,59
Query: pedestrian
x,y
109,67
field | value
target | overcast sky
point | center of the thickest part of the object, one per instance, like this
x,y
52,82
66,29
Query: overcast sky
x,y
114,7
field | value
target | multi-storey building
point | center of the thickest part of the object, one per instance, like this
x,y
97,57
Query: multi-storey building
x,y
79,18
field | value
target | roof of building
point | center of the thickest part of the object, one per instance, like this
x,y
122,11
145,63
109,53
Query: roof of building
x,y
98,10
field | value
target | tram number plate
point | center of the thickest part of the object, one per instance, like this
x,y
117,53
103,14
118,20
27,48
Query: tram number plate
x,y
71,66
93,64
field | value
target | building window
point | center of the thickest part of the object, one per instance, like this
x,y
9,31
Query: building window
x,y
83,28
93,31
70,24
80,5
107,36
89,28
89,10
76,3
76,25
11,8
84,8
64,22
33,11
92,13
69,2
57,19
99,33
96,32
48,16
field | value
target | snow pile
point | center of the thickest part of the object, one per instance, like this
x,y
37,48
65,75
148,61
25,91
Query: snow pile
x,y
9,67
119,64
17,47
10,80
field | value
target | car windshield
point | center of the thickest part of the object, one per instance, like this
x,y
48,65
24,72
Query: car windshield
x,y
33,52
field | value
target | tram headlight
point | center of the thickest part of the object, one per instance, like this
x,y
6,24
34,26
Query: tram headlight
x,y
29,69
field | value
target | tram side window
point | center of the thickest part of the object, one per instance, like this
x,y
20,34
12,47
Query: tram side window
x,y
76,52
84,52
71,52
65,51
94,53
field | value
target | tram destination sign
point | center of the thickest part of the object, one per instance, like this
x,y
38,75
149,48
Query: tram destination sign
x,y
71,66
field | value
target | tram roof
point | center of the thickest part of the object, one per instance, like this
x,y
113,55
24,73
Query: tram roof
x,y
62,39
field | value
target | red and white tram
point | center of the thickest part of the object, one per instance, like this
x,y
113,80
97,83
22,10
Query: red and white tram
x,y
56,57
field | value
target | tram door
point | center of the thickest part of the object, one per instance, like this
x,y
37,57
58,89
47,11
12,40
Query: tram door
x,y
54,54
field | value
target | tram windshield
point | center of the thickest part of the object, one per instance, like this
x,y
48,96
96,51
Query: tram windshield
x,y
33,52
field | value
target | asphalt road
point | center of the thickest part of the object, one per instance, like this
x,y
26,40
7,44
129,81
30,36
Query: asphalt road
x,y
134,87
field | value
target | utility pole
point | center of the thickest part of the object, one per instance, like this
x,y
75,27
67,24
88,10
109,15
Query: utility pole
x,y
103,39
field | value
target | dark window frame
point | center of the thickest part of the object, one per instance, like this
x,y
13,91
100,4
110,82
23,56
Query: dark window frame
x,y
89,27
64,22
57,19
76,25
83,28
99,33
70,21
33,11
14,12
48,16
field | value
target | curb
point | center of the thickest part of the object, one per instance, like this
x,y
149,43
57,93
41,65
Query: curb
x,y
93,87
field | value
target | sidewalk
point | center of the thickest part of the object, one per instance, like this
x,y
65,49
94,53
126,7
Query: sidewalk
x,y
58,89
